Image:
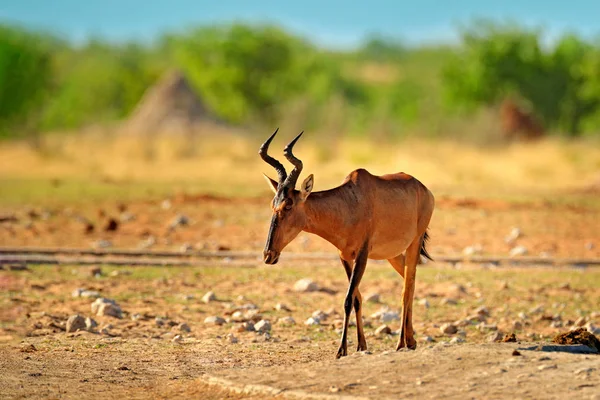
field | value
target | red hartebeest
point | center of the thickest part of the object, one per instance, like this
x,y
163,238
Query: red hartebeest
x,y
367,216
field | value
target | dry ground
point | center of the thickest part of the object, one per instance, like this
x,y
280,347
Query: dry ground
x,y
482,194
135,357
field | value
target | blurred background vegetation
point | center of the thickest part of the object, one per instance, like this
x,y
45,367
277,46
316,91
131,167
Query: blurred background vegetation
x,y
259,75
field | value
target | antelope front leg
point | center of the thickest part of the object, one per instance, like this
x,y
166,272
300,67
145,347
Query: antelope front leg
x,y
360,265
407,338
362,342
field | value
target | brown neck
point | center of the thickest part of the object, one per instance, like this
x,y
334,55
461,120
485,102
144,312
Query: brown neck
x,y
328,215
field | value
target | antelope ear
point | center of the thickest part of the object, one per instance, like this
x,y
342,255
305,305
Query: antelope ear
x,y
272,184
306,187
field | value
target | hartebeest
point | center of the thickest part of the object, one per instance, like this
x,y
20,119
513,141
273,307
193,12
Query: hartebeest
x,y
366,217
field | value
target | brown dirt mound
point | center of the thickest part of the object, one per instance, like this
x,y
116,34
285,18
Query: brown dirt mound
x,y
169,106
578,336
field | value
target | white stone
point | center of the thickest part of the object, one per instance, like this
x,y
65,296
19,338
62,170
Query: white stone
x,y
518,251
214,320
208,297
383,330
372,298
75,322
514,234
305,285
282,307
286,321
262,326
448,329
106,307
312,321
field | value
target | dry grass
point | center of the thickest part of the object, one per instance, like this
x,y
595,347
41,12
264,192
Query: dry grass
x,y
228,164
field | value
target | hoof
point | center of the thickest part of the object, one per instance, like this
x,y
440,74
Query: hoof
x,y
362,347
341,353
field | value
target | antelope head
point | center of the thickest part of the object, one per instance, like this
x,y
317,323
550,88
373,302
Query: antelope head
x,y
289,216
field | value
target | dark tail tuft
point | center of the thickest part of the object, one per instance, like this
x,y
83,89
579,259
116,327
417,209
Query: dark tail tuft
x,y
424,252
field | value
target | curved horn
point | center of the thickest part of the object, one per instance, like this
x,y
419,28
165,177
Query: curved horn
x,y
287,152
270,160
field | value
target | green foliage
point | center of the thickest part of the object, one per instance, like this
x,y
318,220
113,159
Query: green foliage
x,y
24,78
504,60
263,74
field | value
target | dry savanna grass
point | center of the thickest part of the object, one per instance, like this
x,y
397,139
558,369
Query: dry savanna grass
x,y
228,164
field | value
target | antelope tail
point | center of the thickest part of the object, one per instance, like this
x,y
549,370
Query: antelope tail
x,y
423,251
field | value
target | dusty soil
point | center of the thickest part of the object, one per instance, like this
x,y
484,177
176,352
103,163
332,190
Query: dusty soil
x,y
136,356
546,228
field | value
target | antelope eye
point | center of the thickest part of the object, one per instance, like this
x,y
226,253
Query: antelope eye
x,y
288,205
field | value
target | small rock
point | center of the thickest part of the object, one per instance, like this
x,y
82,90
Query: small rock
x,y
90,324
186,248
483,310
473,250
523,316
305,285
286,321
177,339
312,321
136,316
79,292
514,234
102,244
580,322
231,338
448,329
320,315
518,251
516,353
495,337
457,340
373,298
423,302
247,326
262,326
148,242
546,367
427,339
593,329
183,327
556,324
179,220
126,217
208,297
383,330
27,348
106,307
282,307
214,320
334,389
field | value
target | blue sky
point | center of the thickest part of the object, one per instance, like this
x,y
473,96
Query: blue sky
x,y
333,23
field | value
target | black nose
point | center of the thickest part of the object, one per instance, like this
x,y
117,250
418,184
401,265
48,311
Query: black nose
x,y
271,257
